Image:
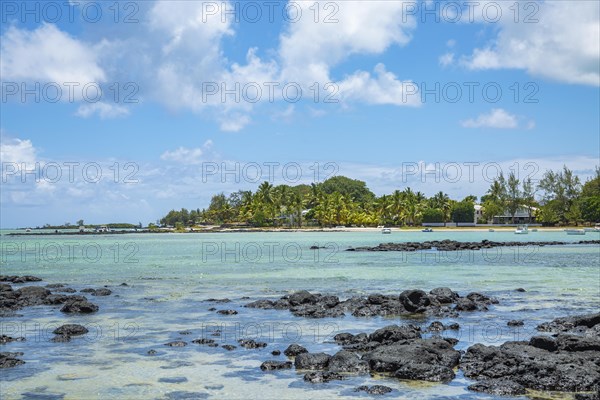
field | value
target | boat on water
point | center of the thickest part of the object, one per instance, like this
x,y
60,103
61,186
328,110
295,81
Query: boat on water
x,y
521,230
386,231
491,230
575,231
534,230
427,230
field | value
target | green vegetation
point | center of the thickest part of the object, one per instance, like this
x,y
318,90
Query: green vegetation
x,y
562,200
336,201
344,201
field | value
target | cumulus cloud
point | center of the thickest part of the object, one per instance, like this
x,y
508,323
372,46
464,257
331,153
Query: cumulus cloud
x,y
383,88
17,151
497,118
48,54
186,155
102,109
563,45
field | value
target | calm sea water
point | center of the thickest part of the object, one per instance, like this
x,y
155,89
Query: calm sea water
x,y
170,275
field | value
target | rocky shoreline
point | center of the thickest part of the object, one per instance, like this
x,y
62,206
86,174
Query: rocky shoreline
x,y
564,357
453,245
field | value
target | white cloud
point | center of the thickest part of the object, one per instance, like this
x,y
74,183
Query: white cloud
x,y
17,151
186,155
563,45
446,59
48,54
383,88
234,122
497,118
178,48
183,155
309,50
103,110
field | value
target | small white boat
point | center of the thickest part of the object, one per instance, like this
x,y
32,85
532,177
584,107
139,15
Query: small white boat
x,y
575,231
521,230
386,231
591,229
427,230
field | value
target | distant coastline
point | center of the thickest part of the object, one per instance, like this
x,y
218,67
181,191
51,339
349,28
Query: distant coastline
x,y
218,229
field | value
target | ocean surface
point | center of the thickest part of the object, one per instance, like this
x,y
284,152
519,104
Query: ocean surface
x,y
169,277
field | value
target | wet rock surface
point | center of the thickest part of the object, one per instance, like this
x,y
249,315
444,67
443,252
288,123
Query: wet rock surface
x,y
375,389
441,302
4,339
323,377
19,279
77,306
583,324
566,363
294,349
452,245
71,330
275,365
12,299
10,360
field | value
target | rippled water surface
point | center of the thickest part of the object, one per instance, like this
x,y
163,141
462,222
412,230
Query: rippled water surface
x,y
170,275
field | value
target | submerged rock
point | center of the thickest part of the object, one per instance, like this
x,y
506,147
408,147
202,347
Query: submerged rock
x,y
251,344
275,365
227,312
177,343
375,389
322,377
19,279
71,330
10,360
79,306
498,387
7,339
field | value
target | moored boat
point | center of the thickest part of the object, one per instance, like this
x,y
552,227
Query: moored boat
x,y
521,230
575,231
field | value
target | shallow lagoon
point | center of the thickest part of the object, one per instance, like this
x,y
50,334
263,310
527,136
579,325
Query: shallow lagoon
x,y
170,276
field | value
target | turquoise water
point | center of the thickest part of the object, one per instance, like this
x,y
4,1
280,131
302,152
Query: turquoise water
x,y
169,276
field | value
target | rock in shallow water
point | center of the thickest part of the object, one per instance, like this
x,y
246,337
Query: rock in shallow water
x,y
375,389
79,307
294,349
422,354
71,330
322,377
178,343
10,360
498,387
567,363
275,365
312,361
251,344
348,362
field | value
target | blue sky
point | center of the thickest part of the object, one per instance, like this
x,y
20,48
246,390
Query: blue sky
x,y
393,69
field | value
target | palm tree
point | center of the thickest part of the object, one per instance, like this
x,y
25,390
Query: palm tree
x,y
396,206
442,202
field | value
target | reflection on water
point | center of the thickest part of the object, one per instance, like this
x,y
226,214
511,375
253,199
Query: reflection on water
x,y
170,276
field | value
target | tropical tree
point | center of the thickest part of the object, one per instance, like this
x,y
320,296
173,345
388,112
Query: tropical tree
x,y
513,198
